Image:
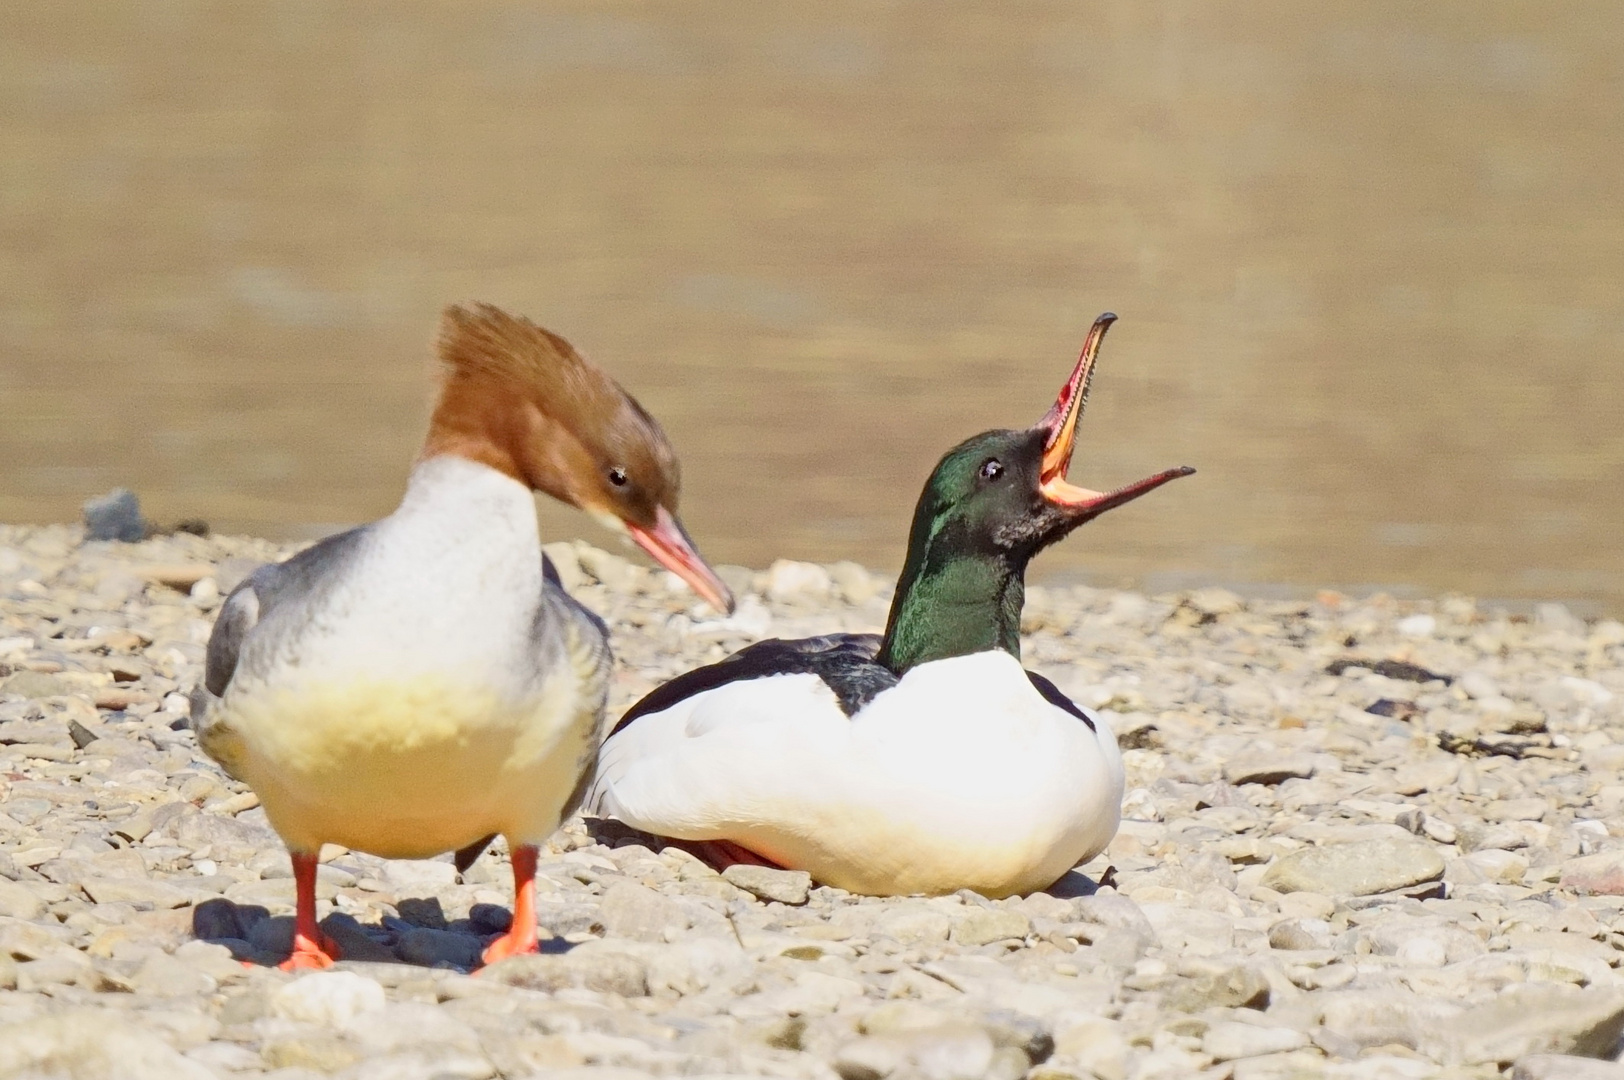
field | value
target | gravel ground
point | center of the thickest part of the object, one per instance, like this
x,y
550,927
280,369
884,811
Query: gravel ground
x,y
1362,839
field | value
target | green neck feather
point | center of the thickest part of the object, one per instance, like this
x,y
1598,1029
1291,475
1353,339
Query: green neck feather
x,y
964,605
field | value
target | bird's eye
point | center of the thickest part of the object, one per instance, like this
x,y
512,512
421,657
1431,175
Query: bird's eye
x,y
617,476
992,469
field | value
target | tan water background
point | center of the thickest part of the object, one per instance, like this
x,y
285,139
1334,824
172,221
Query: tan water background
x,y
1369,259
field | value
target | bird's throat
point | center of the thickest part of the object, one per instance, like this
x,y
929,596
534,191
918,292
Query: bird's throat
x,y
957,607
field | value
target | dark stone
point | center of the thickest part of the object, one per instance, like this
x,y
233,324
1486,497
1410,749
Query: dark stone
x,y
434,947
1394,709
81,735
489,919
215,920
115,516
424,911
1391,669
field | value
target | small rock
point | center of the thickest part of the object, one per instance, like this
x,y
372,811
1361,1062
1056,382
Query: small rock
x,y
1488,865
982,926
1228,1040
1360,868
948,1053
34,684
1114,910
767,883
1595,875
855,583
93,1045
1537,1018
604,971
635,911
115,516
1239,987
1516,810
421,945
1300,934
140,891
1554,616
790,582
422,911
165,976
1215,601
328,997
18,901
418,877
1275,769
1419,626
608,568
1565,1067
489,919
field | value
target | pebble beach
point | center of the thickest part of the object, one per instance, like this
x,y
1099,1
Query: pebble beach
x,y
1363,838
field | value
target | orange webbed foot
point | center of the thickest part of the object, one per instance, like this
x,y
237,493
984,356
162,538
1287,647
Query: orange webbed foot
x,y
512,943
311,955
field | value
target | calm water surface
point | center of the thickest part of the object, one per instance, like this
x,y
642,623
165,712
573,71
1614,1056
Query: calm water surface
x,y
1369,260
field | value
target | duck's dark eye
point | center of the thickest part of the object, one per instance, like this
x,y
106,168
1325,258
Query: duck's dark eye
x,y
992,469
617,476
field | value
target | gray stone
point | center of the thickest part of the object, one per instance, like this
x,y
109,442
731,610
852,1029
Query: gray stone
x,y
18,901
165,976
767,883
635,911
605,971
1239,987
982,926
1538,1018
1226,1041
421,945
217,918
1299,934
91,1044
115,516
139,891
1270,769
34,684
422,911
1565,1067
789,582
418,877
1114,910
1360,868
946,1053
354,943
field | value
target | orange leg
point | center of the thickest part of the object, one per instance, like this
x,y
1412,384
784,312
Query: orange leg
x,y
312,949
722,854
521,936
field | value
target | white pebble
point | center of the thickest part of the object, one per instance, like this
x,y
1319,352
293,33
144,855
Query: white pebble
x,y
328,997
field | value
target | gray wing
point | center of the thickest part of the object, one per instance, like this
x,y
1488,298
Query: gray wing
x,y
251,604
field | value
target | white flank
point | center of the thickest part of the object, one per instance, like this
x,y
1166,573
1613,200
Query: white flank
x,y
961,776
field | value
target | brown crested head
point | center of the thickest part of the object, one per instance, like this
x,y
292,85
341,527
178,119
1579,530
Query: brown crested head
x,y
520,399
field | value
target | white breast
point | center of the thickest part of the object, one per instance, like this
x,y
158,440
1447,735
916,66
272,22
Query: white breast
x,y
449,583
404,707
961,776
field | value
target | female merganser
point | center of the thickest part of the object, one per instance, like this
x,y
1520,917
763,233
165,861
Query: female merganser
x,y
925,761
413,684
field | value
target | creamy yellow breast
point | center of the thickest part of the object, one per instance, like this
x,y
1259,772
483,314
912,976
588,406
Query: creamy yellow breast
x,y
405,768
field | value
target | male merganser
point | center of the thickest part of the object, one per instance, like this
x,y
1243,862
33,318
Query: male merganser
x,y
925,761
408,686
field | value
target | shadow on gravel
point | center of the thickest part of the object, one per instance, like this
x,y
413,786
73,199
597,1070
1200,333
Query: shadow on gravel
x,y
419,935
